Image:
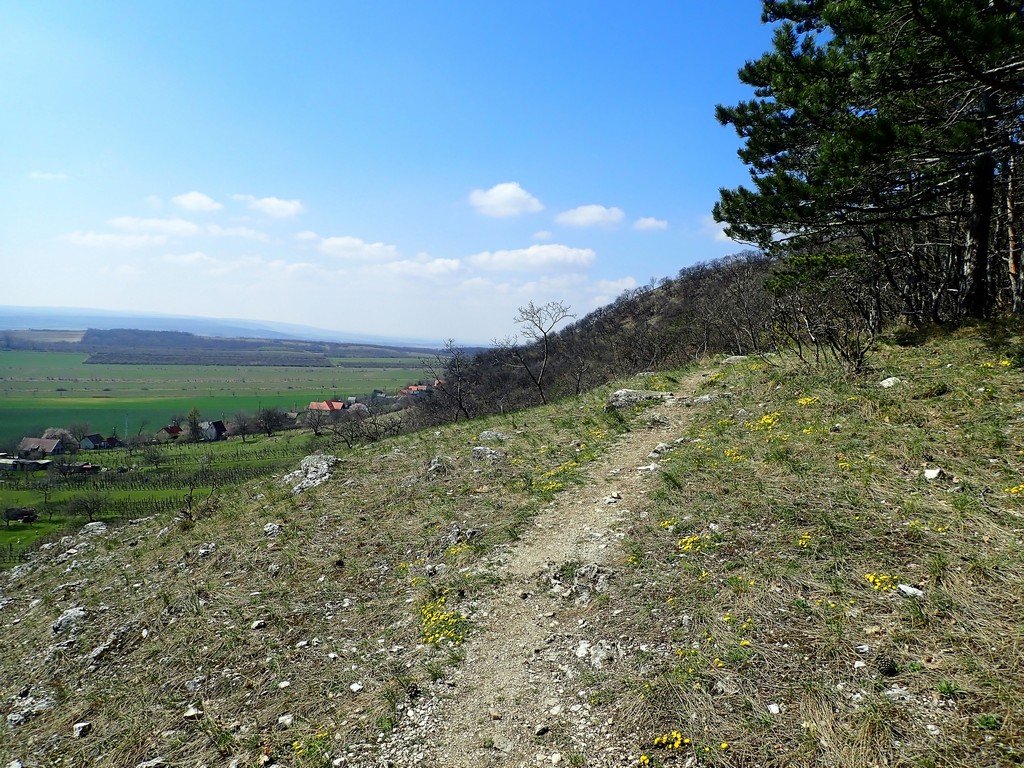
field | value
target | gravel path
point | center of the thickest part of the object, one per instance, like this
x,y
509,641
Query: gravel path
x,y
515,698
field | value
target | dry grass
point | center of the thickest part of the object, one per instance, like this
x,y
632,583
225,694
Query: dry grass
x,y
772,552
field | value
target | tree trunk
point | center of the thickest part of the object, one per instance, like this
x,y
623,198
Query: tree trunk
x,y
1012,243
979,304
979,233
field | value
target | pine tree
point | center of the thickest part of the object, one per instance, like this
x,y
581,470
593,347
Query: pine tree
x,y
887,128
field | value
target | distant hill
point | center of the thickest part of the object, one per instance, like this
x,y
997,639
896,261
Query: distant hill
x,y
71,318
129,346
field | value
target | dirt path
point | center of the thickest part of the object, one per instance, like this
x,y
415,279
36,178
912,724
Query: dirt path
x,y
511,701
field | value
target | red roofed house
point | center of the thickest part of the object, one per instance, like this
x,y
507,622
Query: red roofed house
x,y
168,433
327,405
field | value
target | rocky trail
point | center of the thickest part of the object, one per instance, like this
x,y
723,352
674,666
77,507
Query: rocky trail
x,y
517,697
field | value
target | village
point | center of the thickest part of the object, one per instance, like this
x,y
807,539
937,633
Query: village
x,y
65,465
35,454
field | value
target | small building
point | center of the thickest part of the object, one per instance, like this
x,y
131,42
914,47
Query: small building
x,y
92,442
80,468
38,447
24,465
213,430
114,442
416,390
327,405
168,434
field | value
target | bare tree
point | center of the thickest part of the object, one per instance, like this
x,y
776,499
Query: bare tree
x,y
79,430
153,454
196,480
65,437
243,425
347,426
316,420
270,420
87,504
537,324
134,443
195,432
450,370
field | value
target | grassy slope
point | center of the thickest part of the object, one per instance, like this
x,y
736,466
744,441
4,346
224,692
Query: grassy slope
x,y
774,549
749,584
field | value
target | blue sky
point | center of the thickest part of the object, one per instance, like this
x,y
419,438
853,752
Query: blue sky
x,y
390,168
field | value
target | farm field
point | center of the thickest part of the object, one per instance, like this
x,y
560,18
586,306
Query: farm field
x,y
43,389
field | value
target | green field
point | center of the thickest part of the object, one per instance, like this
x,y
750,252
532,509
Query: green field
x,y
44,389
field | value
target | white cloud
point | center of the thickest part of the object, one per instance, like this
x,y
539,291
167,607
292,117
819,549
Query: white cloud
x,y
609,290
649,223
274,207
421,267
504,200
48,176
307,234
243,232
616,286
171,226
534,257
113,240
196,201
714,230
543,235
218,267
590,215
352,248
193,259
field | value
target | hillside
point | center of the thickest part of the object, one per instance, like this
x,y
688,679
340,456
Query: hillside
x,y
762,564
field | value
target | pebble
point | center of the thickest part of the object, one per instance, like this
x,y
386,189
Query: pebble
x,y
908,591
774,709
258,624
81,729
285,721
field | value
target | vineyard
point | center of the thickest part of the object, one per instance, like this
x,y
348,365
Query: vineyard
x,y
131,487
